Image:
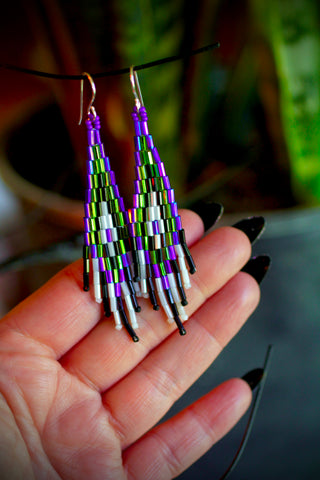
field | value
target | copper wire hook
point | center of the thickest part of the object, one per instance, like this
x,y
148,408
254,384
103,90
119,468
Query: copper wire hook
x,y
93,96
136,87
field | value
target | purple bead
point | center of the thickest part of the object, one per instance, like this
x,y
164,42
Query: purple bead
x,y
136,122
131,229
109,276
139,243
90,170
175,238
88,123
165,282
117,289
101,265
136,140
168,266
86,238
166,183
174,209
86,210
178,222
121,204
126,217
102,150
109,236
94,251
147,256
161,168
136,184
121,276
172,253
144,119
116,191
135,201
87,195
90,153
137,173
155,226
156,270
150,143
86,222
156,155
112,177
107,163
125,260
137,159
170,195
144,128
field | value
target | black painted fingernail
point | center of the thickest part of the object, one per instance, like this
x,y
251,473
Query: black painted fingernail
x,y
257,267
252,227
210,213
253,378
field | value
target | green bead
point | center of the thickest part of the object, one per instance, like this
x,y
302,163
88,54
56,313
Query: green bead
x,y
137,229
119,262
100,250
139,215
122,247
93,209
143,142
142,201
169,239
96,151
115,275
144,158
145,243
153,257
162,269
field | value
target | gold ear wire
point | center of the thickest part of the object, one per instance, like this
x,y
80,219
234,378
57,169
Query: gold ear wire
x,y
93,96
136,87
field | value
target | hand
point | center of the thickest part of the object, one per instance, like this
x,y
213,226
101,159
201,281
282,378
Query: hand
x,y
80,400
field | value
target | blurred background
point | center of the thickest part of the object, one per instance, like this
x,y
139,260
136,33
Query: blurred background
x,y
238,125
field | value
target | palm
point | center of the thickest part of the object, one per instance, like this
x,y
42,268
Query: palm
x,y
80,400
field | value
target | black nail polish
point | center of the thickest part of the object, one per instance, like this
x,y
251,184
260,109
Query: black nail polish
x,y
253,378
252,227
210,213
257,267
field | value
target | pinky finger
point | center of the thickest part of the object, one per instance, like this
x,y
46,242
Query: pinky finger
x,y
170,448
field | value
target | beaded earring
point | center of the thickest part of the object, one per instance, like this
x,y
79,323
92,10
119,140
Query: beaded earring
x,y
158,244
106,239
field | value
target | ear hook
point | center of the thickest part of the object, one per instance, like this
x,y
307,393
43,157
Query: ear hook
x,y
93,96
136,87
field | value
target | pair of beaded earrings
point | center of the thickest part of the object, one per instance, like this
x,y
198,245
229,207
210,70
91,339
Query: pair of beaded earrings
x,y
136,252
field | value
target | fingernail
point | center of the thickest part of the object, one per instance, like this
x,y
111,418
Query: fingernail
x,y
253,378
210,213
252,227
257,267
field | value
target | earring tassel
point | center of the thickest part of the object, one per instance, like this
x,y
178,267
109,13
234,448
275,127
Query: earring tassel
x,y
160,252
106,238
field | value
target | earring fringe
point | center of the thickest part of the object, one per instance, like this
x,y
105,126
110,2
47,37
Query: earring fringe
x,y
106,238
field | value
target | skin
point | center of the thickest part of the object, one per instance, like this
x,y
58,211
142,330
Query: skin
x,y
80,400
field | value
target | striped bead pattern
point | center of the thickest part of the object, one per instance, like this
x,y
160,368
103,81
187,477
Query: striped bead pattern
x,y
159,251
106,237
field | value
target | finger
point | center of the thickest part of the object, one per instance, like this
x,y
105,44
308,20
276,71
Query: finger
x,y
219,256
60,313
170,448
169,370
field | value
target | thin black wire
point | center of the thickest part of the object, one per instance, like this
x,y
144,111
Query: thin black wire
x,y
112,72
252,415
